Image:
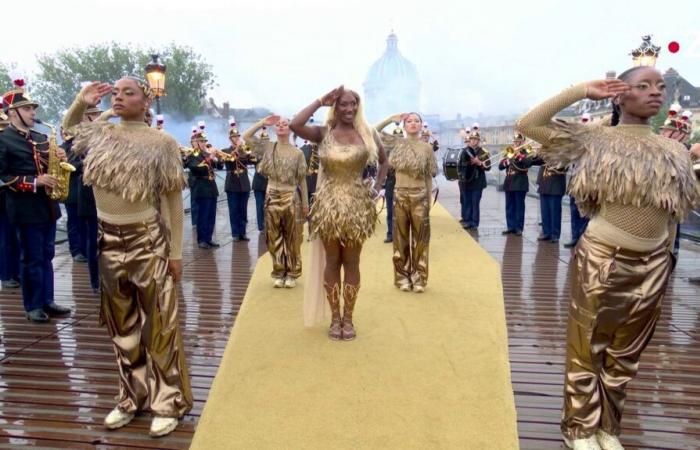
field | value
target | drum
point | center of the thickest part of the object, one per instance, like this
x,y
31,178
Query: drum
x,y
449,164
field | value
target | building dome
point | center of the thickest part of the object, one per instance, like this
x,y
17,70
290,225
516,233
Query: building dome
x,y
392,84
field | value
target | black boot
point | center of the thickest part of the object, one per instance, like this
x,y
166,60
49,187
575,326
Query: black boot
x,y
53,310
38,316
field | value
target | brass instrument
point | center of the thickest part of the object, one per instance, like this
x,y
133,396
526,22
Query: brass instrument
x,y
58,169
185,152
222,156
313,161
510,151
484,157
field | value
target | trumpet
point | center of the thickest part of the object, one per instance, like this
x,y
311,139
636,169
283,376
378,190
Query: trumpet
x,y
220,155
57,168
510,151
186,151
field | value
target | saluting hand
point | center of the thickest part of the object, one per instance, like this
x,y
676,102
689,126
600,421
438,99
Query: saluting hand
x,y
92,93
602,89
332,96
271,120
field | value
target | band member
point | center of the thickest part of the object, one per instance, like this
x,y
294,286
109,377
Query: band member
x,y
137,179
237,185
311,156
414,162
344,213
259,189
285,168
202,163
24,172
678,127
473,163
389,141
622,263
551,185
516,161
578,222
9,260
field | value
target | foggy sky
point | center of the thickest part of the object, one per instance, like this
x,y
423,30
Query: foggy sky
x,y
488,57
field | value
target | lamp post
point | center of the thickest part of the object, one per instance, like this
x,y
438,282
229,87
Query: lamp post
x,y
155,75
646,53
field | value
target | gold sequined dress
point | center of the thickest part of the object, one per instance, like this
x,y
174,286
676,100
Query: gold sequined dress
x,y
343,207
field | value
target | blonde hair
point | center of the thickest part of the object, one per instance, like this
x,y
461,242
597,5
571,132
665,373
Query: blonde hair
x,y
360,124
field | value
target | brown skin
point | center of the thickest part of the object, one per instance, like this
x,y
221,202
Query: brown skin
x,y
640,97
695,150
346,104
130,104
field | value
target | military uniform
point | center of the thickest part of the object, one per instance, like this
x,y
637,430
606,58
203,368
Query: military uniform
x,y
472,182
516,185
237,188
204,193
23,158
551,185
310,151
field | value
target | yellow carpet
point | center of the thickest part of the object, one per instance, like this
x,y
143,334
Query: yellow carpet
x,y
426,371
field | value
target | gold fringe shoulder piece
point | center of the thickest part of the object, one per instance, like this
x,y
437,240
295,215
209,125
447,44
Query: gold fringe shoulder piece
x,y
617,165
413,157
282,163
137,163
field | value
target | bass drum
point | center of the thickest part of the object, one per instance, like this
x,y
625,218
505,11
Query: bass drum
x,y
449,164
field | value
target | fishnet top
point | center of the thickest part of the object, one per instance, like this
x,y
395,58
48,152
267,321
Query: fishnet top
x,y
611,160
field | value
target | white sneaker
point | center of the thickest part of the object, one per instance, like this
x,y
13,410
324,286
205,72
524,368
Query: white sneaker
x,y
405,287
117,419
160,426
590,443
278,283
418,289
290,282
608,441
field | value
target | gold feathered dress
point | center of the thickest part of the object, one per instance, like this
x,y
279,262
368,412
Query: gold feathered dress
x,y
634,186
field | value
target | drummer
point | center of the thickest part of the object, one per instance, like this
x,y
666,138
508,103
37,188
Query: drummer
x,y
473,163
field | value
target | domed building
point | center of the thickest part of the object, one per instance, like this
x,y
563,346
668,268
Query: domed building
x,y
392,84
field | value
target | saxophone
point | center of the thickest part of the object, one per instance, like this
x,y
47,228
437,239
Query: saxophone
x,y
61,170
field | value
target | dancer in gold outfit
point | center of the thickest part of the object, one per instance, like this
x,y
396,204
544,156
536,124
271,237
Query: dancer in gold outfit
x,y
285,168
344,213
414,162
622,263
137,178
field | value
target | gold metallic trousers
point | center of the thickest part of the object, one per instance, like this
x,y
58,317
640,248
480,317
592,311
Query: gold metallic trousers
x,y
139,307
616,299
283,233
411,232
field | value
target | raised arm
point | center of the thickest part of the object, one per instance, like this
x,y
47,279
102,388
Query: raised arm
x,y
537,123
384,123
89,95
313,133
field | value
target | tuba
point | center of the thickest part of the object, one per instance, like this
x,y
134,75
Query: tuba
x,y
58,169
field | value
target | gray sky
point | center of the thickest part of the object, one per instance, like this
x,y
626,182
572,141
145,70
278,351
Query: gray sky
x,y
489,57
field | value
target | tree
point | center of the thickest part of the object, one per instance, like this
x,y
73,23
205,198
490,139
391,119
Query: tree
x,y
5,80
658,120
695,138
60,75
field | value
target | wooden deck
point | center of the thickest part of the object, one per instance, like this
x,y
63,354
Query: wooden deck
x,y
58,380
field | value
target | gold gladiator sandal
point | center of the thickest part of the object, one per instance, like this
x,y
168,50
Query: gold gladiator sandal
x,y
349,299
333,296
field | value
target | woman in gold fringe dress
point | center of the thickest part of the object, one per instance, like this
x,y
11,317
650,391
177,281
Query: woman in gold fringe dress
x,y
344,213
137,178
414,162
634,185
284,166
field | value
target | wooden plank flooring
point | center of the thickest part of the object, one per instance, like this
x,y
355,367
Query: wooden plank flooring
x,y
57,381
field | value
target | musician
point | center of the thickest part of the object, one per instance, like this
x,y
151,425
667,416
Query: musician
x,y
194,212
516,161
473,164
678,127
551,185
237,185
23,165
310,151
202,163
389,141
9,259
81,202
578,222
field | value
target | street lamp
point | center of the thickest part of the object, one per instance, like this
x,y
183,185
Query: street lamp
x,y
646,53
155,75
